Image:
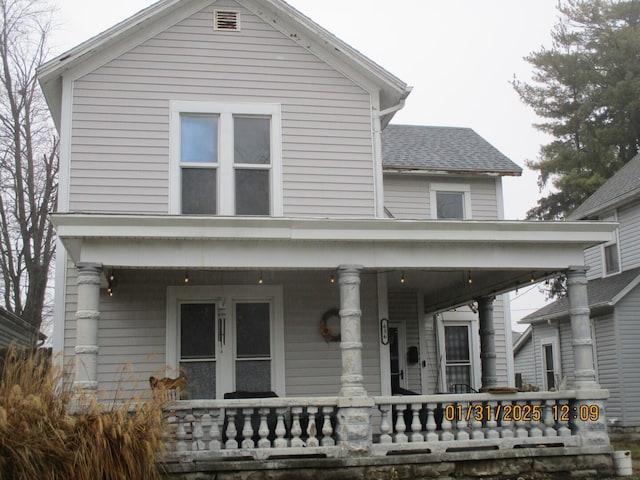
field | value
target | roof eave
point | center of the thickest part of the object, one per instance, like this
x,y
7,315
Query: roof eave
x,y
611,204
440,171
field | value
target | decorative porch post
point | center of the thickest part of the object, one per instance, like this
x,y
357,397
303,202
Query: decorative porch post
x,y
354,406
487,343
87,317
589,394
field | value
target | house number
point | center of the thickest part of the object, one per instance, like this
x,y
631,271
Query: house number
x,y
384,331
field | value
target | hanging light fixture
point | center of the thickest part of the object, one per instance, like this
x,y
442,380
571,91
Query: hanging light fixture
x,y
402,279
260,280
186,276
469,278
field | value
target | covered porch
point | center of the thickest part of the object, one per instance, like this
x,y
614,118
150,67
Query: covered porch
x,y
360,418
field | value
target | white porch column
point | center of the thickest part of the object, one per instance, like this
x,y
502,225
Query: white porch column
x,y
354,407
87,316
585,374
590,396
487,343
350,332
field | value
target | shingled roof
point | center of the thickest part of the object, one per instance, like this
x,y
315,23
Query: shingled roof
x,y
602,293
442,149
623,186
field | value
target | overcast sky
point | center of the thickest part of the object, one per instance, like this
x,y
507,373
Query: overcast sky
x,y
459,55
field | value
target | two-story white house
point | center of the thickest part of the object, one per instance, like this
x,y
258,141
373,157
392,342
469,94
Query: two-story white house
x,y
544,356
234,205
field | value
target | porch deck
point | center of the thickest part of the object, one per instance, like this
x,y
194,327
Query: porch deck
x,y
277,428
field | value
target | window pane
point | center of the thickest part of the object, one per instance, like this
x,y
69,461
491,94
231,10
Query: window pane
x,y
450,205
199,190
201,379
457,344
197,330
199,138
252,192
252,142
252,326
253,376
458,376
611,258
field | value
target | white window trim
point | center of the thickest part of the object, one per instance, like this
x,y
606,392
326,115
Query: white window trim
x,y
557,369
226,184
229,293
455,319
614,241
463,188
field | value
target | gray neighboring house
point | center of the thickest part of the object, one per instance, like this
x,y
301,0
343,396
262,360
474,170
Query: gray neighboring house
x,y
15,329
543,355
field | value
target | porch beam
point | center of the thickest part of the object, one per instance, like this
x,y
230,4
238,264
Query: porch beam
x,y
87,317
487,343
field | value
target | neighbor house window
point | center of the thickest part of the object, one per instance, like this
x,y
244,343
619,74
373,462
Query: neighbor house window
x,y
610,251
226,159
450,201
550,363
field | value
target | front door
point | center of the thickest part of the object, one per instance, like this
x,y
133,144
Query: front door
x,y
397,365
226,344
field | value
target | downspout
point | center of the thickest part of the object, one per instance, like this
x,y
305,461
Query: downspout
x,y
377,153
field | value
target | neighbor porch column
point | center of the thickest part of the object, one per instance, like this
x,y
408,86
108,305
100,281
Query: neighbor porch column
x,y
487,343
354,407
592,429
87,316
585,374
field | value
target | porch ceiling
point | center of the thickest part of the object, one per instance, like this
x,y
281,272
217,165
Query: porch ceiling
x,y
436,256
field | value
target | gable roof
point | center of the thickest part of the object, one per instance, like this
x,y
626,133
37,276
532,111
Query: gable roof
x,y
621,188
442,149
602,293
522,340
301,29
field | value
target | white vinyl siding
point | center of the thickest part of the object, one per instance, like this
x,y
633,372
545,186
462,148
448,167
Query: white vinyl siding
x,y
120,144
628,323
132,329
608,366
525,363
593,259
629,236
409,196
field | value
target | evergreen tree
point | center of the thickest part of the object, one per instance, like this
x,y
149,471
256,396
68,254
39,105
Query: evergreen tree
x,y
587,88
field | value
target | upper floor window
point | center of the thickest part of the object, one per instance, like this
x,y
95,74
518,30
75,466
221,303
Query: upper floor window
x,y
226,159
450,201
611,252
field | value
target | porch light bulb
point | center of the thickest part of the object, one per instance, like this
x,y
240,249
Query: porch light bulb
x,y
402,280
186,277
112,277
110,291
470,280
332,279
533,278
260,280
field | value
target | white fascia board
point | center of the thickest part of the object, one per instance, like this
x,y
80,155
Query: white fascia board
x,y
109,45
581,233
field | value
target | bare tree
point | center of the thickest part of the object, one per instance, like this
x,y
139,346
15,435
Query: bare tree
x,y
28,160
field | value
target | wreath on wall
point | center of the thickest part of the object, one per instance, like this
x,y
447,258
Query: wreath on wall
x,y
330,334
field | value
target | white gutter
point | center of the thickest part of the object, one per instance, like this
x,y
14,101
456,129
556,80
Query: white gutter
x,y
377,152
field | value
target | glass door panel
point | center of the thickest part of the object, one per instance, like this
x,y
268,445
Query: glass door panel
x,y
198,348
253,346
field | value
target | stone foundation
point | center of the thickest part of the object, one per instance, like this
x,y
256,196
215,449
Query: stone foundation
x,y
531,464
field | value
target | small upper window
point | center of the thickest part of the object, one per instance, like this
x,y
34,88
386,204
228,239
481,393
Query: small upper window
x,y
611,252
450,201
611,259
450,205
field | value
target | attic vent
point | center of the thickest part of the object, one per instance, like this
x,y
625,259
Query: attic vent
x,y
226,20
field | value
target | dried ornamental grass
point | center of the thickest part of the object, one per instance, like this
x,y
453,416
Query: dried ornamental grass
x,y
39,438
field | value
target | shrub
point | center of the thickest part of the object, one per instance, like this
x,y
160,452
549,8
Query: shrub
x,y
41,438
